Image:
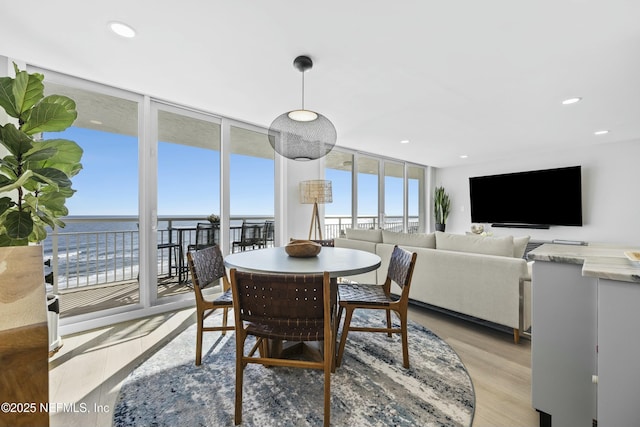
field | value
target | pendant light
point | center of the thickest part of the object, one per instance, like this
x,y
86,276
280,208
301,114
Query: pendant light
x,y
302,134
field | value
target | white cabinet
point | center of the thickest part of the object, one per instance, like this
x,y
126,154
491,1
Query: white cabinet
x,y
563,343
618,353
585,315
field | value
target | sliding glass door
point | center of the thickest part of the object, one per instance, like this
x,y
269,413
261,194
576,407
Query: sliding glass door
x,y
251,189
338,213
188,189
95,256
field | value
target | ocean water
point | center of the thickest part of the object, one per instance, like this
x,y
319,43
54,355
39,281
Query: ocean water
x,y
97,252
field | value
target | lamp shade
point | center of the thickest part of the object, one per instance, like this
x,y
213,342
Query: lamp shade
x,y
302,140
302,134
316,191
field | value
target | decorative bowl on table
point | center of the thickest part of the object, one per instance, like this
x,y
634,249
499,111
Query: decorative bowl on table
x,y
302,248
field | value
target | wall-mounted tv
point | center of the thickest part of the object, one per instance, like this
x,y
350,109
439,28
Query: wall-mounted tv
x,y
532,199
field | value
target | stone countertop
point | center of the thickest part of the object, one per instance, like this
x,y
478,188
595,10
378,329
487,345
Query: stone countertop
x,y
604,261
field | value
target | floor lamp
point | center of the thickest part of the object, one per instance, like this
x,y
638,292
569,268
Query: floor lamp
x,y
315,191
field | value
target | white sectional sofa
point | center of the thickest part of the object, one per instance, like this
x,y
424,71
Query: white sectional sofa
x,y
483,277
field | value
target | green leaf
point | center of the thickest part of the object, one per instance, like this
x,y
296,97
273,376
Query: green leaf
x,y
7,241
39,232
16,141
54,113
52,176
27,92
7,100
53,203
5,204
18,224
40,153
66,159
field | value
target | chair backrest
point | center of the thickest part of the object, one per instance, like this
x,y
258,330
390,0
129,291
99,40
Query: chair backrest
x,y
252,232
278,299
207,234
401,268
268,232
206,266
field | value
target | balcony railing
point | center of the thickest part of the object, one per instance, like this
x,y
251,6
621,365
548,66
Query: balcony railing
x,y
95,251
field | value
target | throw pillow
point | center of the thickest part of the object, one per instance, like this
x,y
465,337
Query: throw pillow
x,y
520,245
501,246
374,236
420,240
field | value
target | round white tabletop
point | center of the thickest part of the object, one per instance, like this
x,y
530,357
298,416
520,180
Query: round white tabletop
x,y
338,262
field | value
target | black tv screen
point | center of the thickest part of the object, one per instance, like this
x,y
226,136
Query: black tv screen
x,y
537,198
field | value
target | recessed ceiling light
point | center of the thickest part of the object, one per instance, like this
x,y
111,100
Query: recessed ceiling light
x,y
404,141
122,30
601,132
95,122
463,156
571,100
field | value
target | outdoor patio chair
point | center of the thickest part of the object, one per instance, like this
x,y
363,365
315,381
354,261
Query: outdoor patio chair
x,y
207,268
282,307
250,236
207,234
268,234
378,297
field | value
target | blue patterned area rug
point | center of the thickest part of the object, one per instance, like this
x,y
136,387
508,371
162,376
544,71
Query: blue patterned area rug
x,y
370,388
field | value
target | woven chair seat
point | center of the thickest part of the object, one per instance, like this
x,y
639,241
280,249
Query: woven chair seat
x,y
293,330
223,300
357,293
355,296
207,269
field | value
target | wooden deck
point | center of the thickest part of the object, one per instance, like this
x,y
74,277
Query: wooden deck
x,y
96,298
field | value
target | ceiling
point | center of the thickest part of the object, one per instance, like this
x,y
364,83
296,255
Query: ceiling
x,y
481,79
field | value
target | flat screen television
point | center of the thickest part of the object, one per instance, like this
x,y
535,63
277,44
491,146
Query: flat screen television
x,y
532,199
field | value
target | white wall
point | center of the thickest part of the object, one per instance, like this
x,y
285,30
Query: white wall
x,y
610,192
297,216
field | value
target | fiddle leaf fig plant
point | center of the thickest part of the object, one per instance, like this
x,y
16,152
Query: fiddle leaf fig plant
x,y
35,175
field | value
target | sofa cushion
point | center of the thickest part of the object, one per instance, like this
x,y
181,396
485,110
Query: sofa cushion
x,y
501,246
362,245
421,240
520,245
374,236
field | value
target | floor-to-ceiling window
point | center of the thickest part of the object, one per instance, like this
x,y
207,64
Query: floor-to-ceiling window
x,y
400,212
393,196
416,194
188,189
96,254
251,189
338,213
367,192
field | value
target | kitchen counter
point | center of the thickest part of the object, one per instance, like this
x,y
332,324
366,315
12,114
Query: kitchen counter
x,y
603,261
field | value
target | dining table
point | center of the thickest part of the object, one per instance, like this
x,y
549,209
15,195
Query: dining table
x,y
338,262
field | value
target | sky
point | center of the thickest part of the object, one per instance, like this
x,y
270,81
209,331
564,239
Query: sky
x,y
188,181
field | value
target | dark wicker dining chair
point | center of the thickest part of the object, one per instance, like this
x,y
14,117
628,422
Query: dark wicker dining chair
x,y
280,307
207,268
378,297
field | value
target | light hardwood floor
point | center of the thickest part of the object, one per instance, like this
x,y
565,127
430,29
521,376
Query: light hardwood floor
x,y
90,367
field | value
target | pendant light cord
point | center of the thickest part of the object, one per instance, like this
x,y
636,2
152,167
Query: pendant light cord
x,y
303,90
